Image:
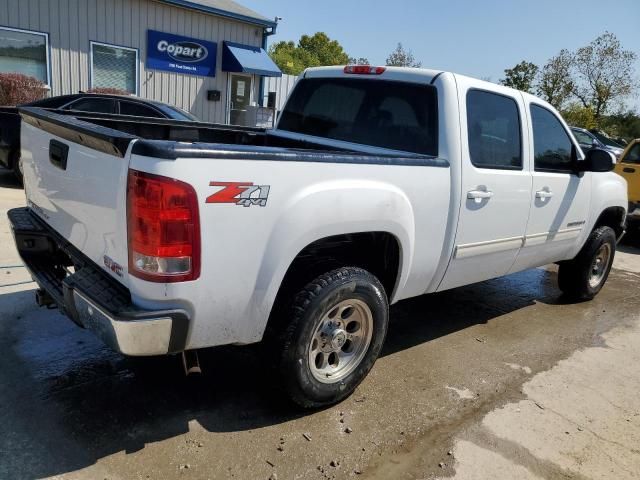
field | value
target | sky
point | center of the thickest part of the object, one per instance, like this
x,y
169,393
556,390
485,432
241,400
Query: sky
x,y
477,38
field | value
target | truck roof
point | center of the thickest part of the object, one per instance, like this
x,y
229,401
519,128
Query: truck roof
x,y
418,75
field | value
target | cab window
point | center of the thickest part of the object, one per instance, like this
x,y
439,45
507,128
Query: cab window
x,y
633,156
138,110
493,124
551,143
97,105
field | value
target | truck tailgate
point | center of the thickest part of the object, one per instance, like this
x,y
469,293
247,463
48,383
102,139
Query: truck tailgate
x,y
75,177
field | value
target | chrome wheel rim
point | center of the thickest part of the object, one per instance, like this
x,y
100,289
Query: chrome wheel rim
x,y
340,341
599,265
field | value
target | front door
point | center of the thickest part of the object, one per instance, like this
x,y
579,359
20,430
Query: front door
x,y
240,99
560,197
496,185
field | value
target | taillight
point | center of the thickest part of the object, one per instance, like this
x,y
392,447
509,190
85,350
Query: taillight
x,y
163,228
364,70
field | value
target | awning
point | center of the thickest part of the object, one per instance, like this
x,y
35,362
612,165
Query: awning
x,y
248,59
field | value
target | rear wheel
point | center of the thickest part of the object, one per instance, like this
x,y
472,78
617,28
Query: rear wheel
x,y
584,276
337,329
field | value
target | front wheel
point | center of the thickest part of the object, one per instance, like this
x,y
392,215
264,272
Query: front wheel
x,y
584,276
338,324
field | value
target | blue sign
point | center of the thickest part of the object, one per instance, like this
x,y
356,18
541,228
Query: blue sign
x,y
174,53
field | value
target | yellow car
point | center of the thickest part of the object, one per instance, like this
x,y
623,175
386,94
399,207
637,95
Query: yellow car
x,y
629,167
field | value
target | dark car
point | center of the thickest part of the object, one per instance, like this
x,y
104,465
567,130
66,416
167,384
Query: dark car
x,y
84,102
592,139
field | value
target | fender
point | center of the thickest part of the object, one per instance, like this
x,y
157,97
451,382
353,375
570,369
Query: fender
x,y
607,190
317,212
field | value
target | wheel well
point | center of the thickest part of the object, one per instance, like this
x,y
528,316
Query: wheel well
x,y
376,252
613,217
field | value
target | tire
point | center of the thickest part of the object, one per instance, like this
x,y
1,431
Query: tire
x,y
584,276
338,324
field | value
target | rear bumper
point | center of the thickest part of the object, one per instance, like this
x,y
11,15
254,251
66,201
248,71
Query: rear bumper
x,y
90,297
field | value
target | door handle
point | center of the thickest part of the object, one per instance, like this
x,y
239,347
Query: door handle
x,y
629,170
479,195
544,195
58,153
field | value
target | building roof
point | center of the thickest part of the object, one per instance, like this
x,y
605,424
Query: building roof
x,y
224,8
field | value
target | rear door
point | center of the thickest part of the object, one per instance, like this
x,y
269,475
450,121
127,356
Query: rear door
x,y
496,184
560,197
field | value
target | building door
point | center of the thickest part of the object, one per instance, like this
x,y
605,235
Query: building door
x,y
240,99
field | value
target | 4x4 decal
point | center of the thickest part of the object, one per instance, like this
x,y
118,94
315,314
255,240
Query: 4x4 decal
x,y
244,194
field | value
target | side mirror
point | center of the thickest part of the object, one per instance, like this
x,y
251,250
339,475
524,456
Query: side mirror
x,y
595,143
597,160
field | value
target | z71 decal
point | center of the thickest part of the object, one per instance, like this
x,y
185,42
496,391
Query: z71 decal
x,y
244,194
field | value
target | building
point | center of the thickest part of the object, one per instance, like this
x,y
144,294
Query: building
x,y
205,56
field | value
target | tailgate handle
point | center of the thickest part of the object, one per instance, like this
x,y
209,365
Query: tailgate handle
x,y
58,153
629,170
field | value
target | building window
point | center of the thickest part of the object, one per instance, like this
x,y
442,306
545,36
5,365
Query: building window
x,y
114,67
22,51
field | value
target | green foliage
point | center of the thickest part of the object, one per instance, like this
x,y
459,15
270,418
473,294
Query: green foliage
x,y
359,61
311,51
578,115
402,57
603,72
623,124
521,77
555,84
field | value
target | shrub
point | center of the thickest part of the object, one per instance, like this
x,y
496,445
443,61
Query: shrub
x,y
16,88
108,91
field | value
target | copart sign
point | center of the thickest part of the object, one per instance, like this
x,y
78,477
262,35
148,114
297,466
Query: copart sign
x,y
174,53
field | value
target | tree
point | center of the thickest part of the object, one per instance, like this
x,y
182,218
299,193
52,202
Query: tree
x,y
325,50
311,51
555,84
520,77
402,58
603,73
579,116
359,61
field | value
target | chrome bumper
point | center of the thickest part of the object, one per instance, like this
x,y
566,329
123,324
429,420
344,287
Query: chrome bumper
x,y
90,297
147,337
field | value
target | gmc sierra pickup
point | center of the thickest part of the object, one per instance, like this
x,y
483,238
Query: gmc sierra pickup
x,y
377,185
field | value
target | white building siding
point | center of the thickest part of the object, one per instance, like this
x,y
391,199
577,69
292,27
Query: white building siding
x,y
73,24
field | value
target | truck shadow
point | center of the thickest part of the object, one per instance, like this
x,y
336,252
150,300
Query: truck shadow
x,y
67,401
8,179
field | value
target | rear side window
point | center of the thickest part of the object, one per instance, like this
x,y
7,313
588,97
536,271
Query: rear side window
x,y
380,113
493,124
138,110
98,105
634,155
551,143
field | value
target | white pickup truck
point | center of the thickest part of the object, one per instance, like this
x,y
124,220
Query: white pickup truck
x,y
377,185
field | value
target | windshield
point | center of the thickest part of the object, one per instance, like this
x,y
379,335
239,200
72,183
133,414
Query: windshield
x,y
380,113
607,141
